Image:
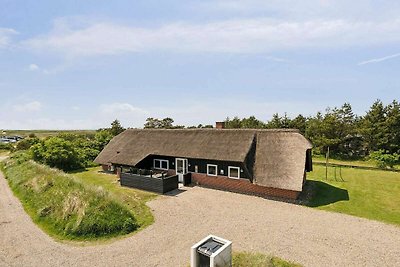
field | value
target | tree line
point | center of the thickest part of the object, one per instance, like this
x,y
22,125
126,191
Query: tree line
x,y
347,135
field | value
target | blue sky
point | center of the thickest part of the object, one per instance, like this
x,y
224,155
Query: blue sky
x,y
80,64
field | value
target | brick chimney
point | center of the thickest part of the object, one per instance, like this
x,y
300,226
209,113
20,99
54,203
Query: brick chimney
x,y
220,125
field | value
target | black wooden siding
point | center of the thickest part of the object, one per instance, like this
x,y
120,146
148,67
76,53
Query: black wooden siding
x,y
309,166
147,163
157,185
250,159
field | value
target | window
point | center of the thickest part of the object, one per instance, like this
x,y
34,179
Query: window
x,y
234,172
161,164
212,170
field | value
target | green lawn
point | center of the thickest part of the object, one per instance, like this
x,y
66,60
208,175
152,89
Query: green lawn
x,y
371,194
134,199
367,163
247,259
362,163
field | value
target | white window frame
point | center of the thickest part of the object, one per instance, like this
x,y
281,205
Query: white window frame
x,y
229,172
161,161
216,169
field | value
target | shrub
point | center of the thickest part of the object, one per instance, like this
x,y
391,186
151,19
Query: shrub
x,y
384,159
26,143
6,146
68,151
59,153
102,138
64,206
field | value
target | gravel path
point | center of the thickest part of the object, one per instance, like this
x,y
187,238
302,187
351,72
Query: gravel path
x,y
304,235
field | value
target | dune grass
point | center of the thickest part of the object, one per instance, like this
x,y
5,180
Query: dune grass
x,y
64,207
250,259
4,153
134,199
371,194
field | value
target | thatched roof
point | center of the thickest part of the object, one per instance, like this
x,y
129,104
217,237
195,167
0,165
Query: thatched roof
x,y
279,160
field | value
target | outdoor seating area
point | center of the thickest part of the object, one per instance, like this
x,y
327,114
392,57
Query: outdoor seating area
x,y
153,173
151,180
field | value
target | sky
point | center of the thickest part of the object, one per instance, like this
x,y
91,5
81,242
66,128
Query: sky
x,y
81,64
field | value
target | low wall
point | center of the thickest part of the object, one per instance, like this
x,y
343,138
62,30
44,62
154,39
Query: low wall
x,y
158,185
242,186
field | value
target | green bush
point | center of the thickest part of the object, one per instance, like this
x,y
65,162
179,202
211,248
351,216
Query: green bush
x,y
68,151
384,159
59,153
64,206
6,146
26,143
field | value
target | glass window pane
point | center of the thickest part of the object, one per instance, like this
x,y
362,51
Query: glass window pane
x,y
157,164
212,170
164,164
234,172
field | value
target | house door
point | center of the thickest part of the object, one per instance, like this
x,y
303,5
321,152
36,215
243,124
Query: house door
x,y
181,168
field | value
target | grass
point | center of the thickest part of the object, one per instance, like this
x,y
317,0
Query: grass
x,y
66,208
250,259
4,153
361,163
134,199
371,194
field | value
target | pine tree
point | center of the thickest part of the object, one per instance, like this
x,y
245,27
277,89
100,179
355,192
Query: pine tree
x,y
373,127
393,127
116,128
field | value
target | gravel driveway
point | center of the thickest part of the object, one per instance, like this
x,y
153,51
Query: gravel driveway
x,y
304,235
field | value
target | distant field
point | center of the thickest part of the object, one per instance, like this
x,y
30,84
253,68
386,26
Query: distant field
x,y
371,194
46,133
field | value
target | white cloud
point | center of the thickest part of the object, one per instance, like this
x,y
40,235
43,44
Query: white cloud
x,y
75,108
5,36
376,60
121,108
28,107
259,35
129,115
33,67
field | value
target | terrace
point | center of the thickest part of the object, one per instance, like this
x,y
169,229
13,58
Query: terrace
x,y
158,181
